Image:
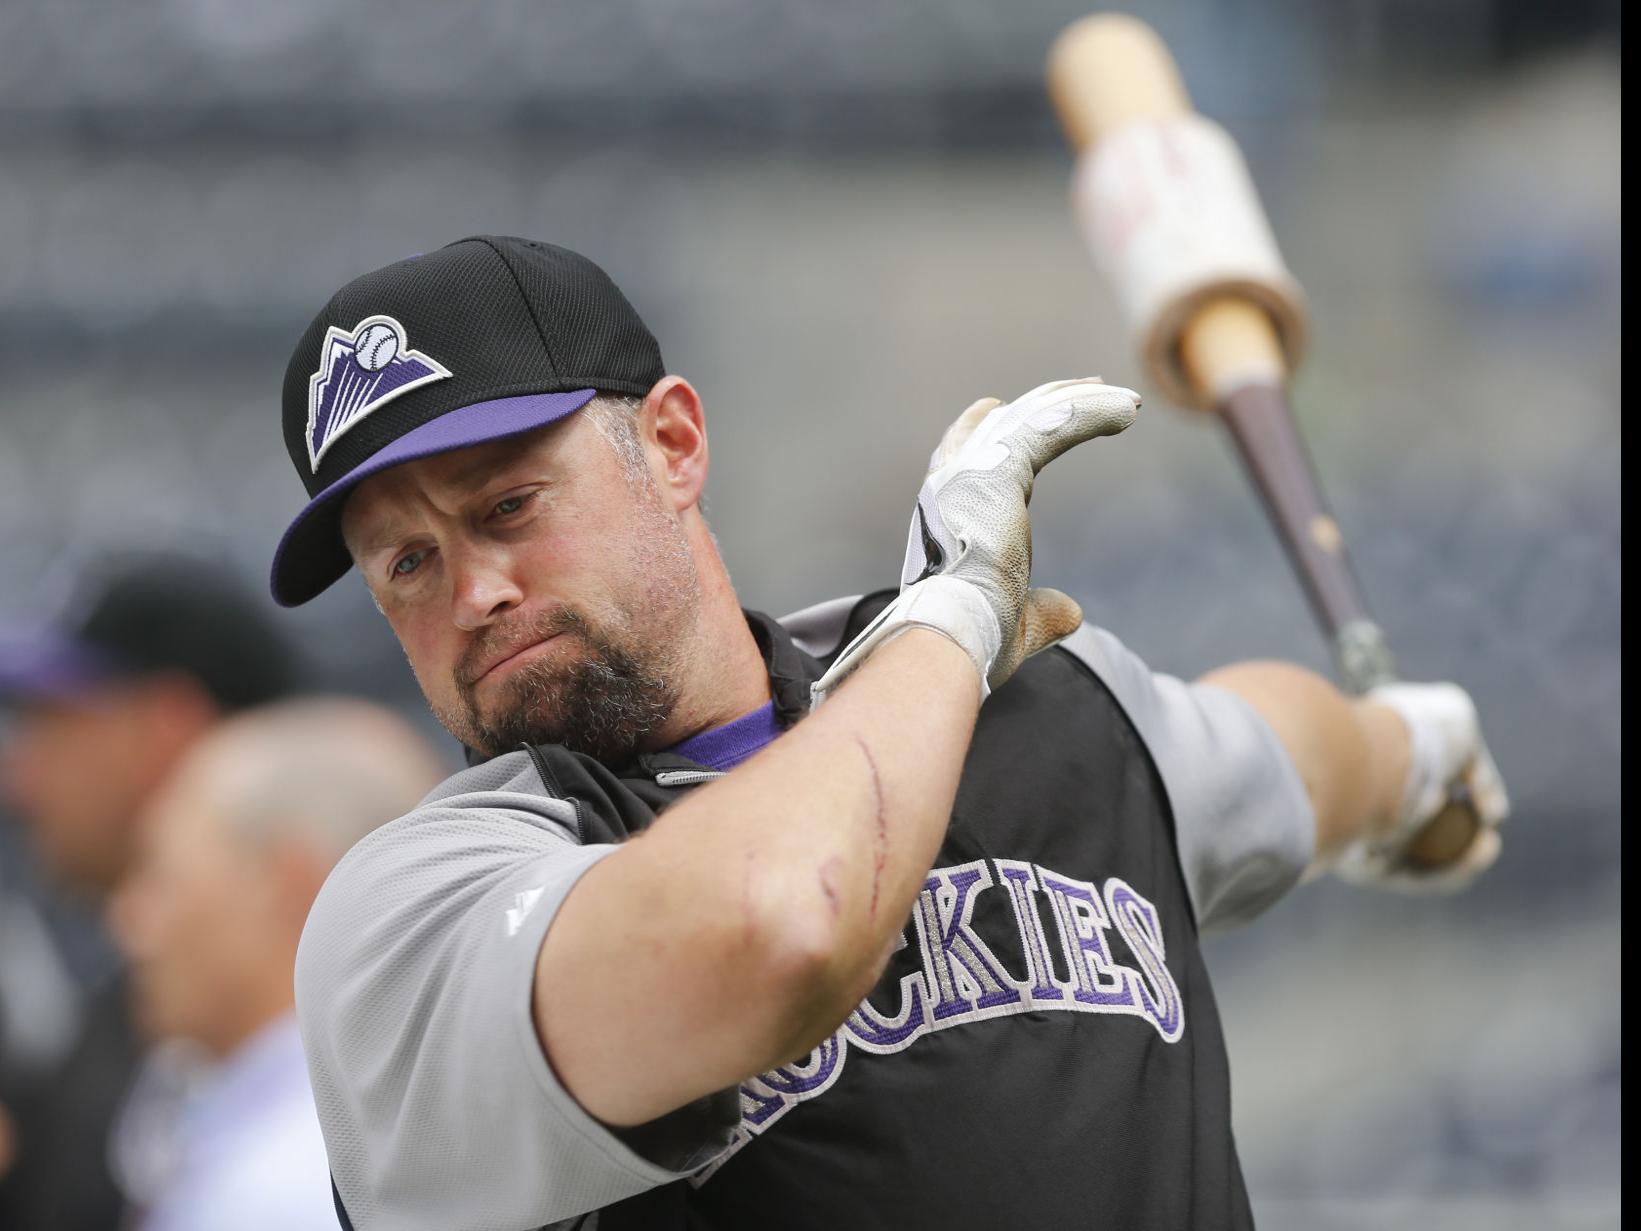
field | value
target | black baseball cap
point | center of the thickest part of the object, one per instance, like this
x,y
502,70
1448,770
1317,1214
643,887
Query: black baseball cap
x,y
486,338
145,614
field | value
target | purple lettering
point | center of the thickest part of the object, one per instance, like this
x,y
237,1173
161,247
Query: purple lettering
x,y
1137,921
1082,921
758,1106
817,1070
878,1033
1020,879
962,980
964,974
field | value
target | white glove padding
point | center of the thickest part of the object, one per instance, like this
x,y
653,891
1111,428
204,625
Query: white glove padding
x,y
1445,747
968,556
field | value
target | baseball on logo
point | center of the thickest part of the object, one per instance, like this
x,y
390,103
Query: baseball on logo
x,y
375,346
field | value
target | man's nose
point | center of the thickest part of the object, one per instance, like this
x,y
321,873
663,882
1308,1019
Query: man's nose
x,y
484,587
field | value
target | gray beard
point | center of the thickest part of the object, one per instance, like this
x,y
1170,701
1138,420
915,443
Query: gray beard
x,y
605,704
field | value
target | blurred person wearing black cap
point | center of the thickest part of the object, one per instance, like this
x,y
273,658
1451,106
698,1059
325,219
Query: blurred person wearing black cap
x,y
737,922
152,653
233,848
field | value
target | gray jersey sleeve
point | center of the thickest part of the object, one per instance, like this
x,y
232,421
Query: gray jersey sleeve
x,y
414,983
1245,826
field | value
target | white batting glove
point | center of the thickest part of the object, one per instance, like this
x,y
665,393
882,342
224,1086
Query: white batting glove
x,y
968,556
1445,747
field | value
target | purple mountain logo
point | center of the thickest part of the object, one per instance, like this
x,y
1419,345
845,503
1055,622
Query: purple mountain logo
x,y
360,370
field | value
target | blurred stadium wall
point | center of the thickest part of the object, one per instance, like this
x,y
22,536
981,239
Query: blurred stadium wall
x,y
846,220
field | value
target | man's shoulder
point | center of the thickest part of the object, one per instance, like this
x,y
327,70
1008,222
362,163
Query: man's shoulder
x,y
488,816
1103,654
512,775
818,630
502,801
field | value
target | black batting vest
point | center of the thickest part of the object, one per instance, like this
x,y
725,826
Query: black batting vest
x,y
1042,1051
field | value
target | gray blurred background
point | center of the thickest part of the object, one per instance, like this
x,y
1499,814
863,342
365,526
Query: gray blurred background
x,y
845,221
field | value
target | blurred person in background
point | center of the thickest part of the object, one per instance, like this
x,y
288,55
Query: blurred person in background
x,y
154,652
234,848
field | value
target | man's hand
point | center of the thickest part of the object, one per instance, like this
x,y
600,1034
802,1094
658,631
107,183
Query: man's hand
x,y
1445,747
1378,770
968,556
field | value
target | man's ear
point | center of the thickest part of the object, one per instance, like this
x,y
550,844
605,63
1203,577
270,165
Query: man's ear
x,y
675,435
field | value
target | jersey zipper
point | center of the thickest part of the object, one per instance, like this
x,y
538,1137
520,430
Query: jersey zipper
x,y
686,777
550,780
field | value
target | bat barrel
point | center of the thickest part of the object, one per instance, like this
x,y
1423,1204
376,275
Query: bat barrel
x,y
1107,71
1171,215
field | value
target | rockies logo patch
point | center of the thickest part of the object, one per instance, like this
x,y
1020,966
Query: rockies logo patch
x,y
361,370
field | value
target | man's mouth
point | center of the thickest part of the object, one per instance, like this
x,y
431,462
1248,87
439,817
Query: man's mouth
x,y
515,657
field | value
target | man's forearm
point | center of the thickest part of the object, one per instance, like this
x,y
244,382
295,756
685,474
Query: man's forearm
x,y
1351,754
754,915
863,790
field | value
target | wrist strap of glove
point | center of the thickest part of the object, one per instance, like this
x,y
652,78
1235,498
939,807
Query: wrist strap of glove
x,y
945,605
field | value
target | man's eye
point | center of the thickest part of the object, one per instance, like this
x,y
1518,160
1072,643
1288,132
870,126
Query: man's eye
x,y
407,564
509,506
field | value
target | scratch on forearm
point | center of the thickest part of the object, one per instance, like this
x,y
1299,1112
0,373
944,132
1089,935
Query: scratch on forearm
x,y
880,836
829,882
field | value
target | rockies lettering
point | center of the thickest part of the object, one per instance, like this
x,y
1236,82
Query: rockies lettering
x,y
961,979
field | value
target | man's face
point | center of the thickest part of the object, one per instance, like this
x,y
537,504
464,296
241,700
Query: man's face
x,y
76,772
195,913
540,588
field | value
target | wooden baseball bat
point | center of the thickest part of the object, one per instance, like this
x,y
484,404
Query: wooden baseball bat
x,y
1226,343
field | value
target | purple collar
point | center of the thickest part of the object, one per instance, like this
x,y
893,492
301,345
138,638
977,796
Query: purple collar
x,y
727,746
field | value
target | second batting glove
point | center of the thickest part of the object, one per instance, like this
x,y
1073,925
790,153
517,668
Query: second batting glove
x,y
1445,746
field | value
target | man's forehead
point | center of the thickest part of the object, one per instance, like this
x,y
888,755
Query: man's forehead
x,y
374,511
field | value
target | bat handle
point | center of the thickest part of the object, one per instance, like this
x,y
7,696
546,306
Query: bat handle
x,y
1365,663
1230,341
1277,460
1363,656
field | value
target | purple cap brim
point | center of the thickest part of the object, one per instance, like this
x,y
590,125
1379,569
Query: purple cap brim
x,y
311,554
47,666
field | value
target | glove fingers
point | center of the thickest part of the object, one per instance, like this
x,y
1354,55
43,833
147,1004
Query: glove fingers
x,y
1072,412
1483,853
957,435
1054,386
1487,787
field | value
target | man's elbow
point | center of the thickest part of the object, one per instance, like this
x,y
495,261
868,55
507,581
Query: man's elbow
x,y
813,969
753,975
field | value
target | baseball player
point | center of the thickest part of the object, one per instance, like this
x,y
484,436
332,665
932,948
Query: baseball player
x,y
883,915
